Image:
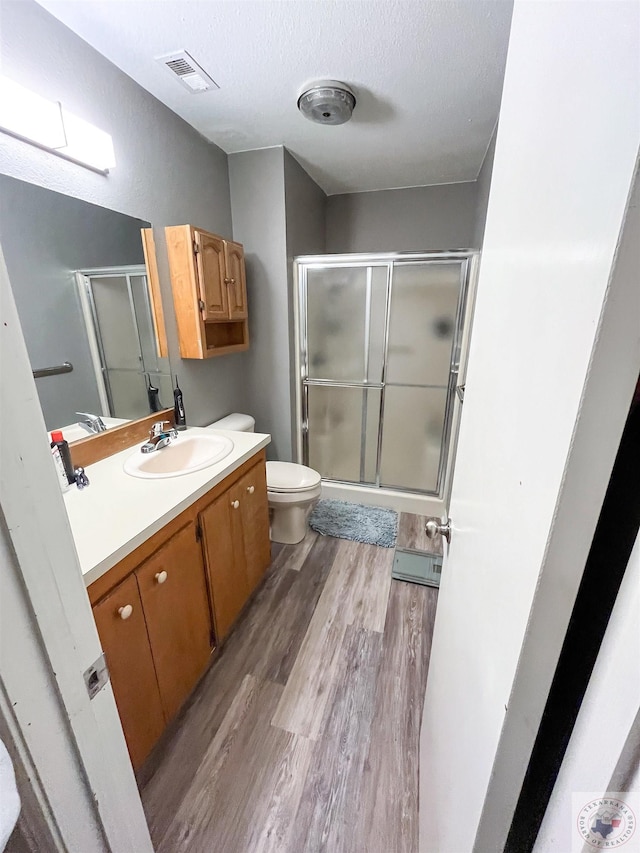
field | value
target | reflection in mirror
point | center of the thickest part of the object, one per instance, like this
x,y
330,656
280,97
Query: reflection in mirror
x,y
82,289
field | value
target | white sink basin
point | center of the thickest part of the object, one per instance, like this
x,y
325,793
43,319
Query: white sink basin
x,y
184,455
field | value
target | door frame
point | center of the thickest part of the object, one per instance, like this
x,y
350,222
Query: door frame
x,y
72,747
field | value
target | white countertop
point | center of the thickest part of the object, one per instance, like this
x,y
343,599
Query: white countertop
x,y
117,512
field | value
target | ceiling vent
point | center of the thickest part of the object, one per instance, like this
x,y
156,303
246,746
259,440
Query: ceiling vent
x,y
189,73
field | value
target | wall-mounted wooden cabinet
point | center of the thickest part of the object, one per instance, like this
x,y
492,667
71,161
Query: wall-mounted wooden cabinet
x,y
154,609
209,292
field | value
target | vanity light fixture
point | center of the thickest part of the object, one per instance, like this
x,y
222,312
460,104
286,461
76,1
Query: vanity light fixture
x,y
25,114
48,125
327,102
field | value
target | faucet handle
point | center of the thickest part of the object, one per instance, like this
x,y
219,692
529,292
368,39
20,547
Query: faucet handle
x,y
158,428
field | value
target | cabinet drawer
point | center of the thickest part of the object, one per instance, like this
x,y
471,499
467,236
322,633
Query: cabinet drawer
x,y
174,597
133,678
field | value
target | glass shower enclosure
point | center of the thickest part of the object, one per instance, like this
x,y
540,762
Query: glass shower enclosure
x,y
380,343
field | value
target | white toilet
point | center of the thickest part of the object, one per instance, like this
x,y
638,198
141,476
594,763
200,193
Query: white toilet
x,y
292,489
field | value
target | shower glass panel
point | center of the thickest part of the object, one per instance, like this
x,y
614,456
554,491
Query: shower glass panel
x,y
116,325
412,437
422,324
127,391
337,443
379,349
144,323
345,323
336,323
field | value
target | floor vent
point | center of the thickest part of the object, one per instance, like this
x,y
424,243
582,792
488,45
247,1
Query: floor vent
x,y
189,73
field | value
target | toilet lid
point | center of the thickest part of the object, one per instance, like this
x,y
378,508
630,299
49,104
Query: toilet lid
x,y
290,477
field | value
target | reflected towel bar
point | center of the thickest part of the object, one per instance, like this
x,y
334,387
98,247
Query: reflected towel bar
x,y
67,367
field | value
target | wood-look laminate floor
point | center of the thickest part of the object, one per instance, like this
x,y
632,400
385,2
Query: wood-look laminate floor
x,y
304,734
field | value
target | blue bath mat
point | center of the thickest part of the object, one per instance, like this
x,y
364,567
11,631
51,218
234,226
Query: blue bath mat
x,y
372,525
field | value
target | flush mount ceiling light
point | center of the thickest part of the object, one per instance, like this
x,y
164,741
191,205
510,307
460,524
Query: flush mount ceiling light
x,y
327,102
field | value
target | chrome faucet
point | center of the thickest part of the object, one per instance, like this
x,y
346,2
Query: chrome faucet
x,y
159,437
92,423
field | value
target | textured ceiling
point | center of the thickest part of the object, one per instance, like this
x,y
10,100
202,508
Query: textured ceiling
x,y
427,77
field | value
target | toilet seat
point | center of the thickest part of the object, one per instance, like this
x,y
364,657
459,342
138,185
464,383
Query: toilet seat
x,y
302,496
289,477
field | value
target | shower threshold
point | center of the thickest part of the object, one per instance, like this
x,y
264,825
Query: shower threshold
x,y
371,496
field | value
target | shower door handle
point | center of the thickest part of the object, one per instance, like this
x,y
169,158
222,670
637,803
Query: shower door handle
x,y
434,528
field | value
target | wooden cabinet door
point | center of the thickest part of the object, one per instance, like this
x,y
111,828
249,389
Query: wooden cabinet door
x,y
124,639
251,491
210,261
236,280
221,524
174,597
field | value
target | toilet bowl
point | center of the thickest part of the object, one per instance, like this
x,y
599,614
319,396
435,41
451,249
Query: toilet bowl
x,y
293,490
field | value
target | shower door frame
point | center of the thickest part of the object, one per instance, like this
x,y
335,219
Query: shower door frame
x,y
468,259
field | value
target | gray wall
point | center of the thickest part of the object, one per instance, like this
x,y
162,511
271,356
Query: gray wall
x,y
46,236
483,184
278,213
166,172
414,219
305,207
258,205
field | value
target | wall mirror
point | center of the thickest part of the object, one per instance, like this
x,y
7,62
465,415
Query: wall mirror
x,y
85,284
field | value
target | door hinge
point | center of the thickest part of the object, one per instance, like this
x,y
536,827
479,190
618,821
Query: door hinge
x,y
196,248
201,304
198,532
96,676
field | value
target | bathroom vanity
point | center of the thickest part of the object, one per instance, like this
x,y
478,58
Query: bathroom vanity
x,y
169,563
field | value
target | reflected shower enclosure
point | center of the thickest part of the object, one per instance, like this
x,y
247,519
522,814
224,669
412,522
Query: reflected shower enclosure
x,y
379,351
122,340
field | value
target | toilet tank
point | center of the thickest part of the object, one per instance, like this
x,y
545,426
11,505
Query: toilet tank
x,y
237,422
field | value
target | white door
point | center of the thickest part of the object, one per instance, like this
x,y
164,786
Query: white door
x,y
543,409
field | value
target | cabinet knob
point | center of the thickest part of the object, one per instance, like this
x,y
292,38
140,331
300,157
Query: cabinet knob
x,y
251,489
125,611
235,504
161,576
